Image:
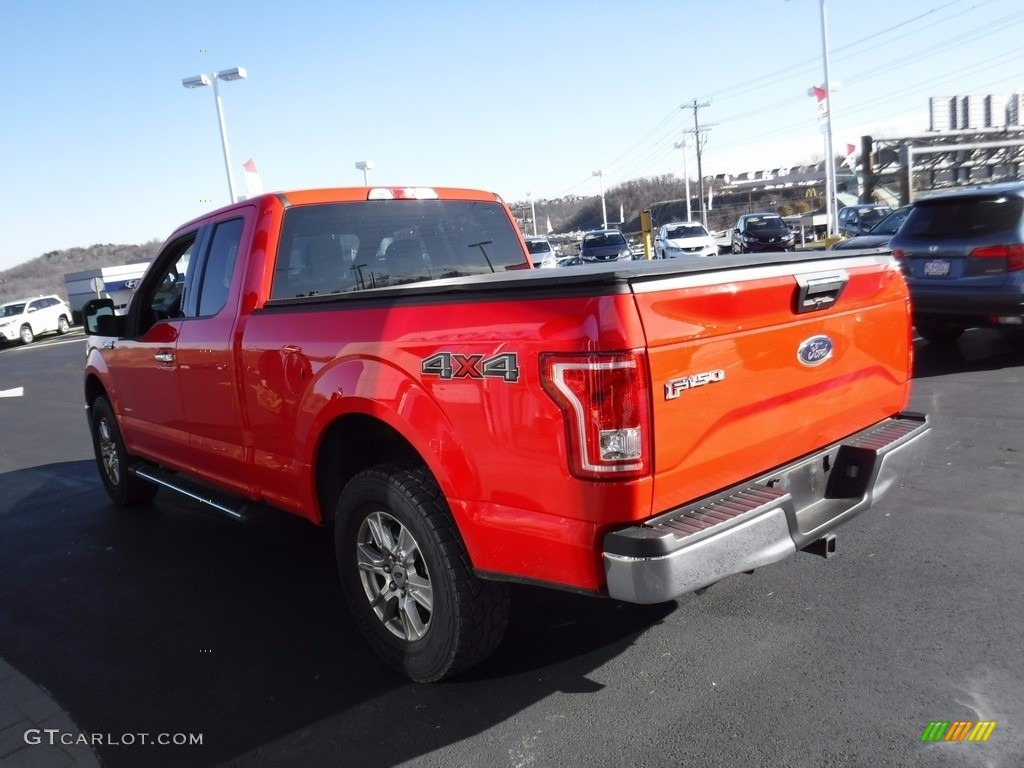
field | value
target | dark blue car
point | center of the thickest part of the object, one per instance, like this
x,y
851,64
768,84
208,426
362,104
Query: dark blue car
x,y
962,252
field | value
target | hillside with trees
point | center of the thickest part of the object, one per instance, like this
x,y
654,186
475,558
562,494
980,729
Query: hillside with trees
x,y
45,274
665,197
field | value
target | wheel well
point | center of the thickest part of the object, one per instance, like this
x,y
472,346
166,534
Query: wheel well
x,y
93,389
350,445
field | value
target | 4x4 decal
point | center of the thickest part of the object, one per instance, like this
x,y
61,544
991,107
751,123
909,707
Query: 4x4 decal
x,y
450,365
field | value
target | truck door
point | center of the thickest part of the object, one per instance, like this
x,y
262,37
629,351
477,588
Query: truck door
x,y
206,356
142,363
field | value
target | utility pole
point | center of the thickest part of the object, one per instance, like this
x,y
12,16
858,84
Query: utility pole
x,y
686,177
698,133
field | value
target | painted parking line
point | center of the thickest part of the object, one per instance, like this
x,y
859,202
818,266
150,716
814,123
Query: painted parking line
x,y
16,392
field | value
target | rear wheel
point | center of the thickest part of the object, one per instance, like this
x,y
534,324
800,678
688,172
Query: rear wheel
x,y
124,488
936,333
63,326
407,577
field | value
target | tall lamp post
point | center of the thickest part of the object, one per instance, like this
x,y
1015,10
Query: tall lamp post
x,y
604,211
236,73
533,211
686,176
364,166
830,160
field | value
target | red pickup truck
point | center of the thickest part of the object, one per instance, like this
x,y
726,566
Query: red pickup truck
x,y
387,361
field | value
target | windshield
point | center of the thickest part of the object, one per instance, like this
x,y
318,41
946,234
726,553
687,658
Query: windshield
x,y
685,230
13,309
538,246
600,239
891,223
873,215
766,224
955,218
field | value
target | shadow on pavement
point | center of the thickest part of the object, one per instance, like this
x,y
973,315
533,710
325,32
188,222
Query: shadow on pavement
x,y
164,619
977,350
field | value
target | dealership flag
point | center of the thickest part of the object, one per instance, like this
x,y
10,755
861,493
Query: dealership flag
x,y
550,230
851,156
822,97
711,195
253,185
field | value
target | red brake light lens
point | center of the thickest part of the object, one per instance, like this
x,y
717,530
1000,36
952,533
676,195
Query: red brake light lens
x,y
605,401
1014,255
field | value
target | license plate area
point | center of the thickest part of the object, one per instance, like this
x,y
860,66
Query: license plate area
x,y
936,268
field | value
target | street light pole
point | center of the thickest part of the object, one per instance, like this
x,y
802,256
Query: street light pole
x,y
364,166
830,170
686,176
604,212
533,212
237,73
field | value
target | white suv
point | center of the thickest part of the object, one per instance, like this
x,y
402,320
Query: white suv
x,y
28,318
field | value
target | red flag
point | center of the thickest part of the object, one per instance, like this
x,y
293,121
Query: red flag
x,y
851,156
822,96
253,183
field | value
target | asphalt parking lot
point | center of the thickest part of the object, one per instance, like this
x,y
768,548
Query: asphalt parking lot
x,y
169,621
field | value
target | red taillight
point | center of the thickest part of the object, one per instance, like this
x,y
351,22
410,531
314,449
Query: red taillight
x,y
605,402
1014,255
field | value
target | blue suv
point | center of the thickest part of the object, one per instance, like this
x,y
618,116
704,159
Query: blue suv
x,y
962,252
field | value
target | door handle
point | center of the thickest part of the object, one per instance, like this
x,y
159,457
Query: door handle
x,y
164,357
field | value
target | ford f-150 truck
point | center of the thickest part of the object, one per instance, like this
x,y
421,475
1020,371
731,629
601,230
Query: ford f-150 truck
x,y
386,360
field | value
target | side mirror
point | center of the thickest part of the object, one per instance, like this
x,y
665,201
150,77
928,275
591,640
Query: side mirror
x,y
99,318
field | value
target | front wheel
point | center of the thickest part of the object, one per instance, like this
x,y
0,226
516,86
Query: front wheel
x,y
27,337
407,577
124,488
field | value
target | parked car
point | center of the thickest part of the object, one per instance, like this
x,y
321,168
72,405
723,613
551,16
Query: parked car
x,y
682,239
542,254
566,261
962,252
756,232
880,234
604,245
28,318
856,220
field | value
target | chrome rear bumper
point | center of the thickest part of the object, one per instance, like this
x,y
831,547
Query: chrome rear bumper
x,y
763,520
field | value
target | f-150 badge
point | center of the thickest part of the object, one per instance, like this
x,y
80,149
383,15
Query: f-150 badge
x,y
675,387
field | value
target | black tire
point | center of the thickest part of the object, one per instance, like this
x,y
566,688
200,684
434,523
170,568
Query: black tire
x,y
26,335
124,488
407,577
939,334
63,326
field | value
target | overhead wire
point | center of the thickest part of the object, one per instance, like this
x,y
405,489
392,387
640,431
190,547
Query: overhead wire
x,y
655,146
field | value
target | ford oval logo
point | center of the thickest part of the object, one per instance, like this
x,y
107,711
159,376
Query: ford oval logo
x,y
814,351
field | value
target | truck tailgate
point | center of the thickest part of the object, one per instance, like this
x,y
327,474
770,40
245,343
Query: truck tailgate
x,y
752,366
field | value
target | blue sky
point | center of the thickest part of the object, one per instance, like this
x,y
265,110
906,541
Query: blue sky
x,y
100,143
